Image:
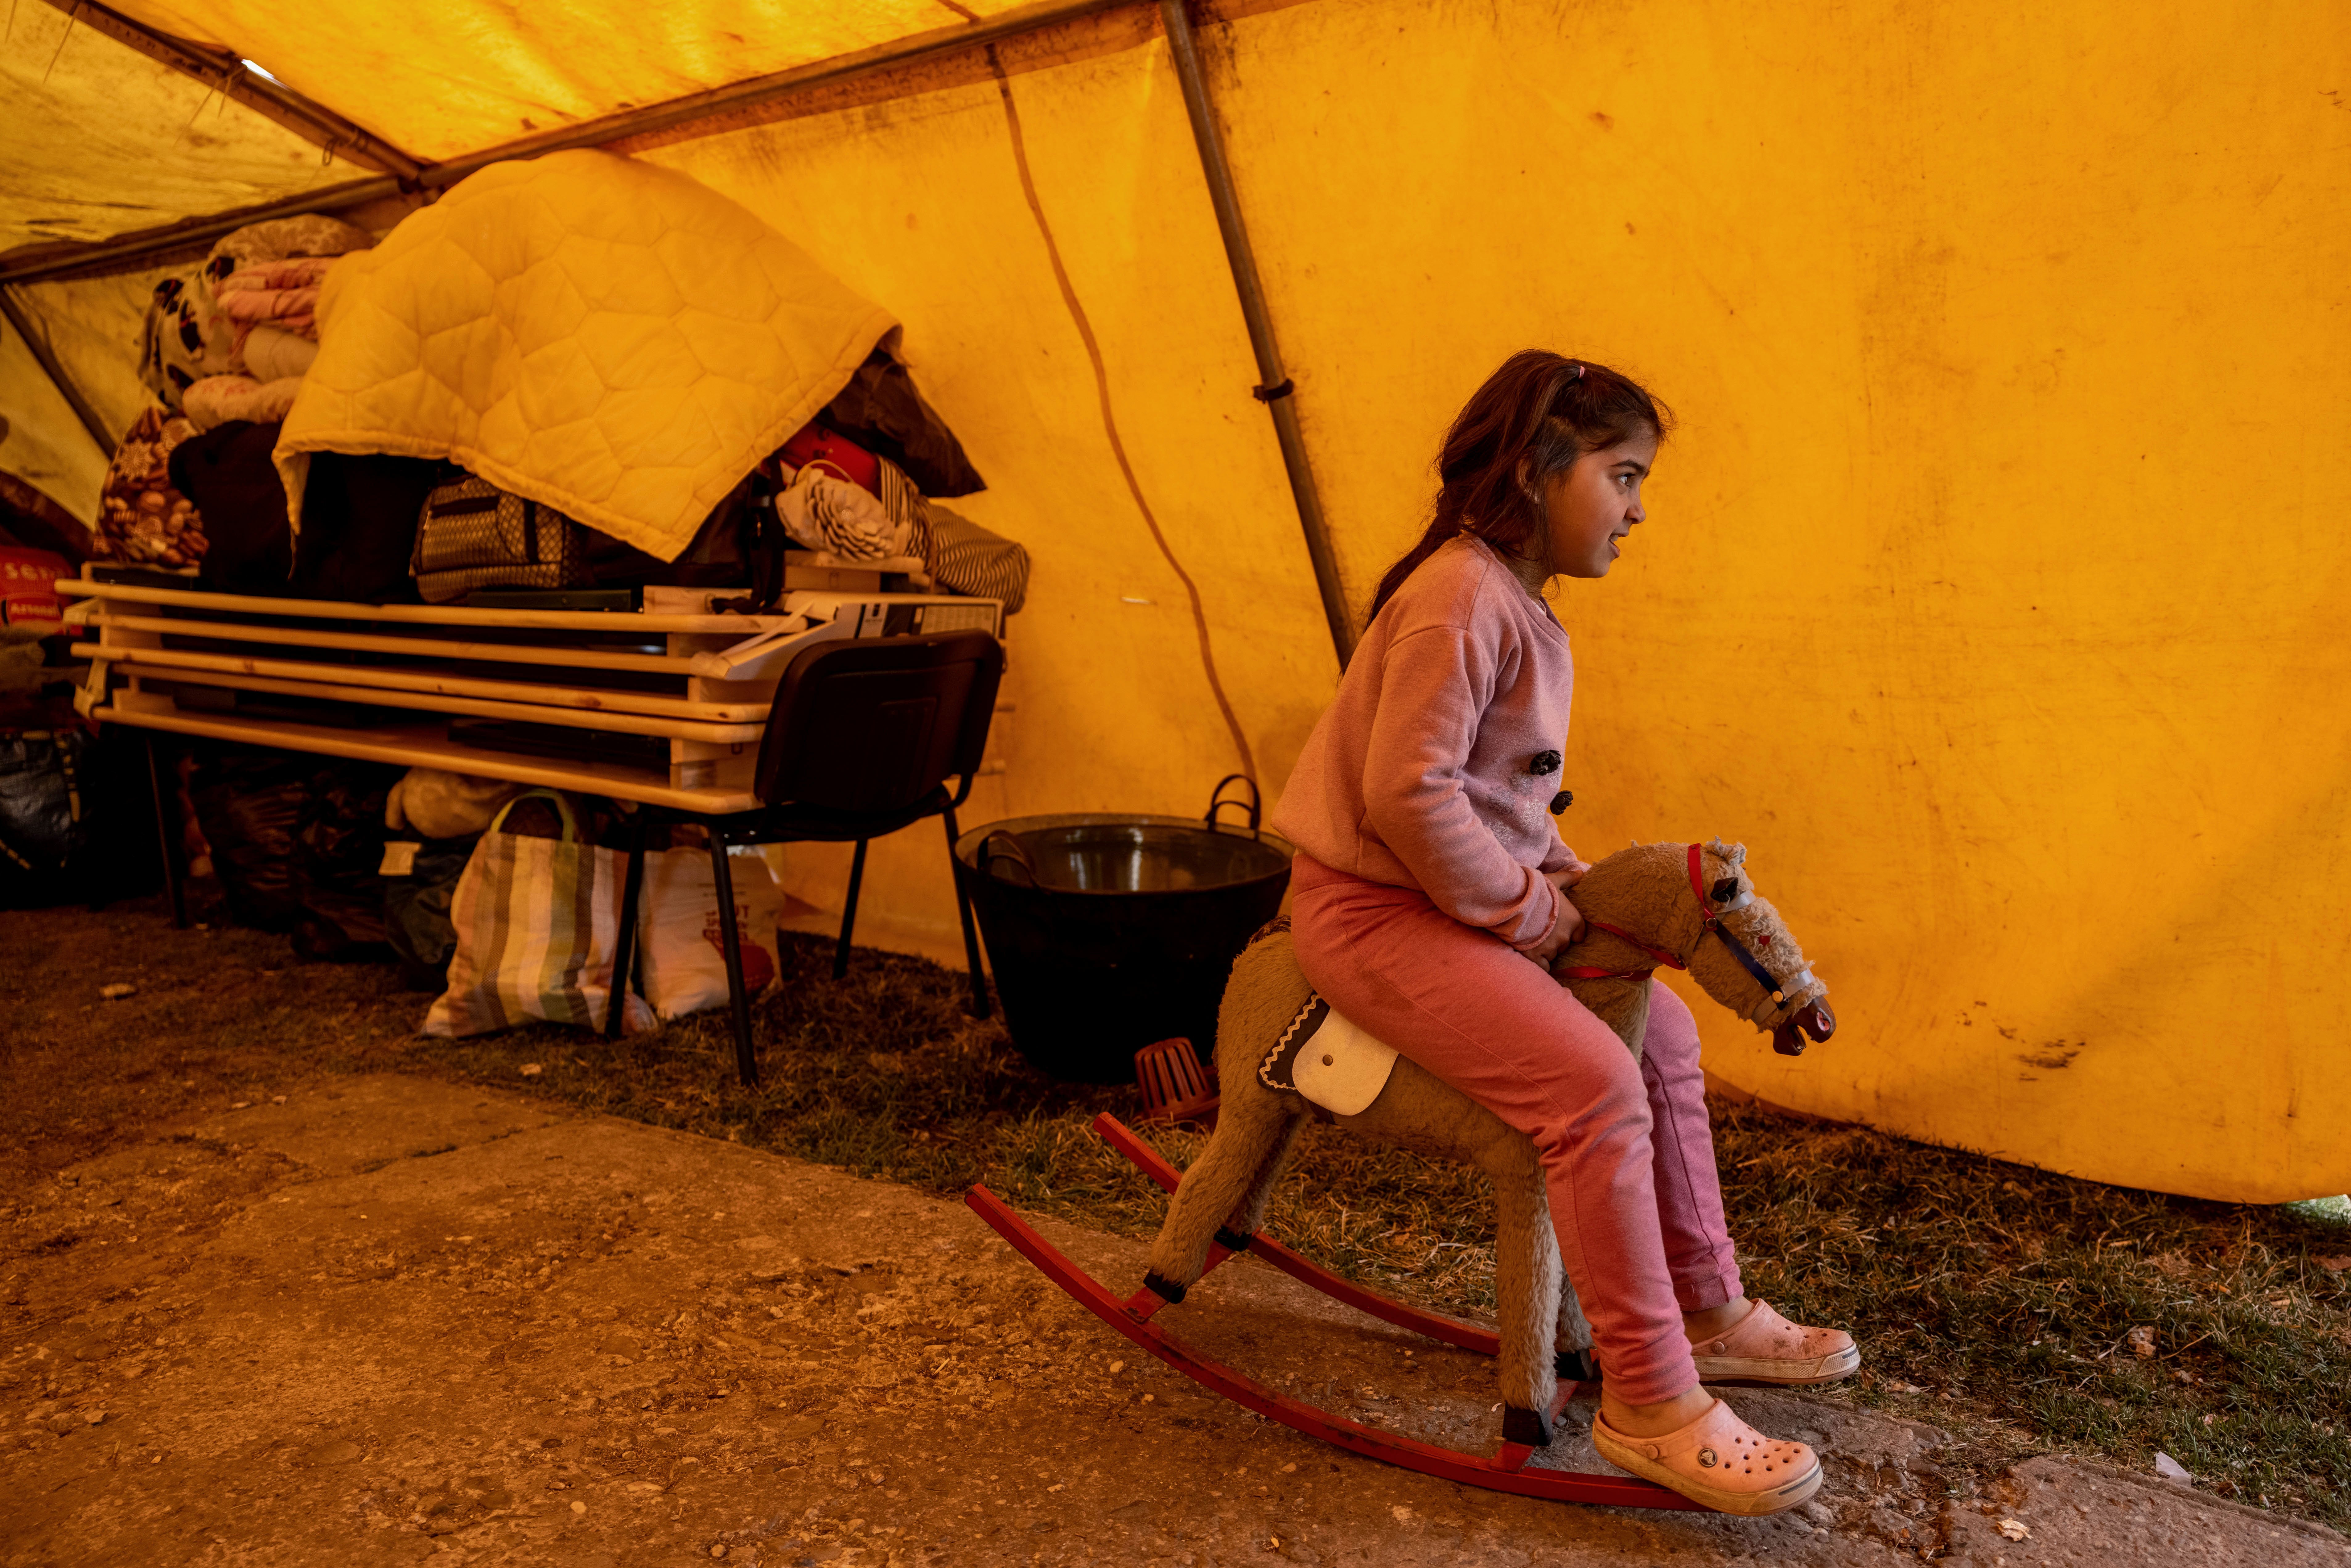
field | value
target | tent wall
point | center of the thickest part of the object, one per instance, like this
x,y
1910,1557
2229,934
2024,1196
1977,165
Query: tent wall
x,y
1936,609
93,325
1986,588
1991,588
43,441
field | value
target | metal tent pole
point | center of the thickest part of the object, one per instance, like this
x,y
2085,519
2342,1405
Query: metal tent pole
x,y
1274,389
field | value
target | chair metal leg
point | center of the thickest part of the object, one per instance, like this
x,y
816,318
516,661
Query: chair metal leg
x,y
979,1003
849,912
167,837
625,944
747,1064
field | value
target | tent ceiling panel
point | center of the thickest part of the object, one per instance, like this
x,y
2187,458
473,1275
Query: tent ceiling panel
x,y
102,139
1933,608
443,78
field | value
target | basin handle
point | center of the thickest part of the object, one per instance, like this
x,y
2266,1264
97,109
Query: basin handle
x,y
1217,799
1001,845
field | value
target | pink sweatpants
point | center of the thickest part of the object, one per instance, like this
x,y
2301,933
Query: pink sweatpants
x,y
1627,1153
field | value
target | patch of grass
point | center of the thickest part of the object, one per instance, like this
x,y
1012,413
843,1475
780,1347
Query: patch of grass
x,y
1994,1301
2003,1301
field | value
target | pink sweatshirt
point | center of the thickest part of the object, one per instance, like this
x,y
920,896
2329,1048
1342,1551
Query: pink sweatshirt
x,y
1422,772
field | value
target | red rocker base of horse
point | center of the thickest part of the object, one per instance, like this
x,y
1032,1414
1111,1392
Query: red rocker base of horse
x,y
1505,1470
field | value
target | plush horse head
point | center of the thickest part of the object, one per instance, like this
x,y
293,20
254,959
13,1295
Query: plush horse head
x,y
1690,906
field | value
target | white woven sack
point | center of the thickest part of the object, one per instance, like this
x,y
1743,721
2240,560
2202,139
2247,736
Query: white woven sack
x,y
684,963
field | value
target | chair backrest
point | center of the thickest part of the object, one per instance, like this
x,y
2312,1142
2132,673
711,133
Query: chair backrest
x,y
875,724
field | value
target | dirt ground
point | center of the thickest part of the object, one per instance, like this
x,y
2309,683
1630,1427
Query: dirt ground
x,y
372,1317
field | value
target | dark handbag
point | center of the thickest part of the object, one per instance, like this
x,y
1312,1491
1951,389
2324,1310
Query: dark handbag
x,y
471,534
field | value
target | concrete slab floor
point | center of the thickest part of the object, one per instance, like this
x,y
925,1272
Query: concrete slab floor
x,y
389,1320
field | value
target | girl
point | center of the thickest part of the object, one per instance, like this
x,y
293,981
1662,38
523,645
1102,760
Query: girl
x,y
1430,874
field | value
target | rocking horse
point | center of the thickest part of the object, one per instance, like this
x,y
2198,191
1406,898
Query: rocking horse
x,y
1284,1057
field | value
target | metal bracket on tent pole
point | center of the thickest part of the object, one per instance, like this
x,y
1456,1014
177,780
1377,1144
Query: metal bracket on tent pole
x,y
39,344
1274,388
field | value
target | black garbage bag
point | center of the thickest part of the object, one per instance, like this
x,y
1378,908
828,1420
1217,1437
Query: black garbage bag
x,y
297,842
249,804
44,829
338,876
76,823
416,912
881,411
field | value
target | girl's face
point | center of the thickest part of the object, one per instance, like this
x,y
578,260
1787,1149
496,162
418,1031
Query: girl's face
x,y
1592,505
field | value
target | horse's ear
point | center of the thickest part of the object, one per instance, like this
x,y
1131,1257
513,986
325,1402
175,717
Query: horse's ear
x,y
1726,890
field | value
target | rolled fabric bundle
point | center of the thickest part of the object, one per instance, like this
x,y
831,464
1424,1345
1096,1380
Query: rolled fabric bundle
x,y
824,509
221,400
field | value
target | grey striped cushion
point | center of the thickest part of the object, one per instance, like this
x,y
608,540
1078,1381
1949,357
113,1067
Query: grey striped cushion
x,y
965,558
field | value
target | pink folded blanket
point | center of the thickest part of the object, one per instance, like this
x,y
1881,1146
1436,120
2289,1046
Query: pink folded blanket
x,y
293,272
282,294
290,309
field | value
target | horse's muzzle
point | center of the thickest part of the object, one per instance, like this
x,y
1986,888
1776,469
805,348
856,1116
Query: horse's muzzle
x,y
1813,1018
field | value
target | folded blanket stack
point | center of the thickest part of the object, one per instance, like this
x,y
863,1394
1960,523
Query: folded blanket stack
x,y
231,340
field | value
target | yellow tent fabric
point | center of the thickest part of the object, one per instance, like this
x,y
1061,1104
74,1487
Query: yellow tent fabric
x,y
1989,590
440,77
101,139
589,331
42,441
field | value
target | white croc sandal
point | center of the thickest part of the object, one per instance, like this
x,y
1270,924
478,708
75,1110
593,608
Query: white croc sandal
x,y
1764,1347
1718,1461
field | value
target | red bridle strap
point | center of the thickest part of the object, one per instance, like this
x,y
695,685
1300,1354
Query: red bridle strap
x,y
1671,960
1697,886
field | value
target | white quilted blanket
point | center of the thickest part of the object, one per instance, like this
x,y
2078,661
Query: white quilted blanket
x,y
617,341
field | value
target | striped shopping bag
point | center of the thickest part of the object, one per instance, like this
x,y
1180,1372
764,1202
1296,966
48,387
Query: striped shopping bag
x,y
537,921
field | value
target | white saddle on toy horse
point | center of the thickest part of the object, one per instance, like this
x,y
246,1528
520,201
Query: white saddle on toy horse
x,y
1284,1055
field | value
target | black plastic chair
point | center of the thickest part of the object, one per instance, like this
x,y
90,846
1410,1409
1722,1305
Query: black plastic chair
x,y
861,742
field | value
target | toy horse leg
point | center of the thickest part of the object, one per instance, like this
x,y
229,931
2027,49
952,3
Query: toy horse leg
x,y
1255,1126
1574,1357
1249,1213
1526,1292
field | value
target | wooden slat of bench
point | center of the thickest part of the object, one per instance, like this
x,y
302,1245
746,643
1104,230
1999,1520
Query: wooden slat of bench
x,y
680,665
426,746
744,735
377,678
427,615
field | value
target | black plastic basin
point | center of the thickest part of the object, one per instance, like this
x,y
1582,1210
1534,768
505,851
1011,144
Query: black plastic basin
x,y
1107,932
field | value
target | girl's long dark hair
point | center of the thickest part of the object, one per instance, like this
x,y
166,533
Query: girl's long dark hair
x,y
1532,419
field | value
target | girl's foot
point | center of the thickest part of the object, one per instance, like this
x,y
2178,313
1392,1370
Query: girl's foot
x,y
1718,1461
1764,1347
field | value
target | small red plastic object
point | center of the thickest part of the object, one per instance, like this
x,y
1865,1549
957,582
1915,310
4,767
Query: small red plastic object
x,y
1176,1087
